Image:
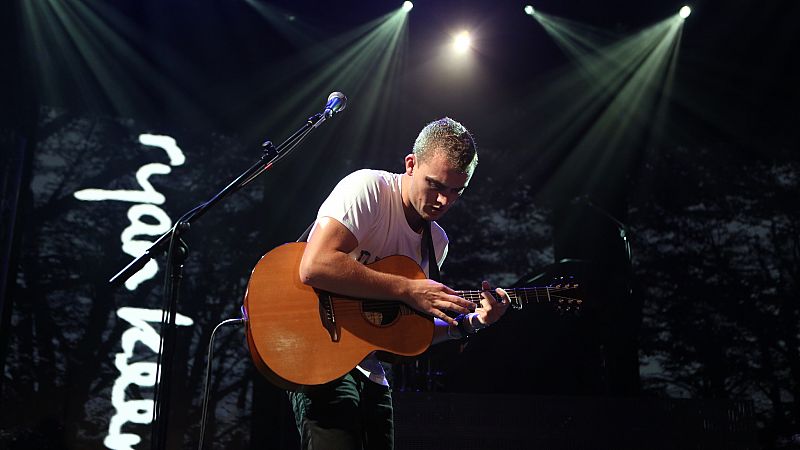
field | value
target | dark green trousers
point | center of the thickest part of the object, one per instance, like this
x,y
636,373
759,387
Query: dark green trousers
x,y
351,413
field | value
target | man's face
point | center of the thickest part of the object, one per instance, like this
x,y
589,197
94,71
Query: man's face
x,y
435,185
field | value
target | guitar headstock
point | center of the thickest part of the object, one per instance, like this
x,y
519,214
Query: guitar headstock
x,y
565,294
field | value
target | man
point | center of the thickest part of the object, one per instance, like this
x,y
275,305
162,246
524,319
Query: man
x,y
371,215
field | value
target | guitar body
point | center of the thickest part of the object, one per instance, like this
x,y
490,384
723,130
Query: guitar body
x,y
300,337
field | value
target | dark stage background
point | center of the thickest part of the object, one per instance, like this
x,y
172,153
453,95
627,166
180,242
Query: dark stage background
x,y
674,196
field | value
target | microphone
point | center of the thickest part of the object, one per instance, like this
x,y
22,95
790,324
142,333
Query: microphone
x,y
336,102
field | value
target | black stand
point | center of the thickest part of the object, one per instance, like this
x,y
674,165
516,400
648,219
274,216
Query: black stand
x,y
176,256
177,251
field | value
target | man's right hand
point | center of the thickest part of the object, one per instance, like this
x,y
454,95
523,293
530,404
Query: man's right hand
x,y
434,298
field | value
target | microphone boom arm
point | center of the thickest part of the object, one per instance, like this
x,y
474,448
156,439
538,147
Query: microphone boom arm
x,y
160,245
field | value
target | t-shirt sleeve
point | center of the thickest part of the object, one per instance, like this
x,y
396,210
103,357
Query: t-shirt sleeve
x,y
356,202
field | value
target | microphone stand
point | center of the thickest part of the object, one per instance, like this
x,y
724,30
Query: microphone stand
x,y
177,252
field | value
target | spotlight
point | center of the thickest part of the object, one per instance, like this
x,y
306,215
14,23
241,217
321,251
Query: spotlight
x,y
462,42
684,12
529,10
407,6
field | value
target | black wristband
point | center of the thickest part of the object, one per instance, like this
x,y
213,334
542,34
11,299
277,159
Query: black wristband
x,y
462,325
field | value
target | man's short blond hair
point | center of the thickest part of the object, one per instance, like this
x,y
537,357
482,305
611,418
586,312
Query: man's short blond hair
x,y
449,138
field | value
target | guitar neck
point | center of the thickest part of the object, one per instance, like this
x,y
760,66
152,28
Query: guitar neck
x,y
520,297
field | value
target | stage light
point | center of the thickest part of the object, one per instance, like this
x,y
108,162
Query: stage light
x,y
529,10
407,6
684,12
462,42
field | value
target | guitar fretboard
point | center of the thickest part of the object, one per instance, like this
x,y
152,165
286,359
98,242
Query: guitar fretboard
x,y
520,297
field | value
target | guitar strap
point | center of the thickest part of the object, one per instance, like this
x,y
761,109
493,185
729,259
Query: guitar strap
x,y
428,252
304,237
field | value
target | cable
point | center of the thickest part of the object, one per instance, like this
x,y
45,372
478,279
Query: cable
x,y
208,375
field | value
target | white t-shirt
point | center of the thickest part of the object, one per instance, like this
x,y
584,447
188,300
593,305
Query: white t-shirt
x,y
370,204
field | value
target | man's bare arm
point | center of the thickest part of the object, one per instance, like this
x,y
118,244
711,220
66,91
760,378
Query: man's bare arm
x,y
327,265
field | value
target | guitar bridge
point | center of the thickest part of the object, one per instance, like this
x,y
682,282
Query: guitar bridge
x,y
327,315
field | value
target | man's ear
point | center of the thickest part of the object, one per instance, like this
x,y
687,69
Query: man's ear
x,y
411,162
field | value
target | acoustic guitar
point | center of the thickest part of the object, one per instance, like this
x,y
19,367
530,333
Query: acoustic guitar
x,y
300,337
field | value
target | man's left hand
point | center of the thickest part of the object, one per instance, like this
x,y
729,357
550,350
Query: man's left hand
x,y
491,308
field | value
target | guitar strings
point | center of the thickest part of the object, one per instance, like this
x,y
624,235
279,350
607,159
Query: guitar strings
x,y
528,295
389,306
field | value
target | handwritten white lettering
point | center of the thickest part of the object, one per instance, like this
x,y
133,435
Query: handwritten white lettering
x,y
148,196
142,374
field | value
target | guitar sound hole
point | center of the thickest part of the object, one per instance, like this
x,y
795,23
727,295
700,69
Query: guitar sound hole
x,y
380,313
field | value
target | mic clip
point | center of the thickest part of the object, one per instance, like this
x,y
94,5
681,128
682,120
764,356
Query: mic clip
x,y
269,149
317,119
